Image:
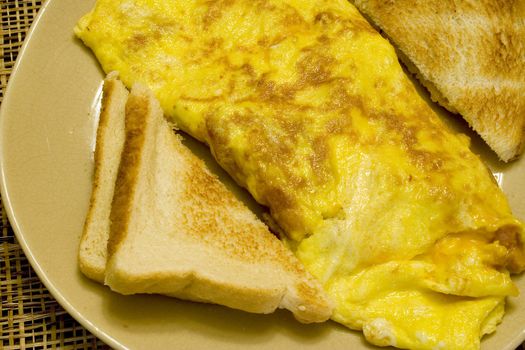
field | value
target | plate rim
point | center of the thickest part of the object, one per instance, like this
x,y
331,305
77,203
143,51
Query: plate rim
x,y
6,198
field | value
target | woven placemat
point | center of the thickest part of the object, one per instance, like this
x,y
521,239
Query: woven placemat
x,y
31,317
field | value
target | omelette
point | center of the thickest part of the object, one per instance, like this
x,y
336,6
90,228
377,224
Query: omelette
x,y
305,105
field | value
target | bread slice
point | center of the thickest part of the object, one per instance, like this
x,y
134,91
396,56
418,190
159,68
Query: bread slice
x,y
471,57
109,144
176,230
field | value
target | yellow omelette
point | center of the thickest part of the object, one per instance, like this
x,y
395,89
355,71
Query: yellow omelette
x,y
306,106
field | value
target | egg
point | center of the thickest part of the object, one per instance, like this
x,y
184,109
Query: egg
x,y
307,106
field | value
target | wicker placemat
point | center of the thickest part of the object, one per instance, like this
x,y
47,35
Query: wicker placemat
x,y
31,317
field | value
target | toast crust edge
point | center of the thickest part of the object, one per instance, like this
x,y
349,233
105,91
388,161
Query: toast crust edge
x,y
109,95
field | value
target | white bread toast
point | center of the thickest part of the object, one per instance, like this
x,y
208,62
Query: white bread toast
x,y
176,230
109,144
471,57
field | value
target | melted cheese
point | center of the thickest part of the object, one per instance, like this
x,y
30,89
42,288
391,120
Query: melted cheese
x,y
306,105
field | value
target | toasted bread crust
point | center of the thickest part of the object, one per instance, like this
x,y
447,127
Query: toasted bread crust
x,y
137,110
114,95
469,55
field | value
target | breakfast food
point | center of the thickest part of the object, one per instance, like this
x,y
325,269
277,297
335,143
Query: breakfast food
x,y
306,106
470,56
176,230
109,143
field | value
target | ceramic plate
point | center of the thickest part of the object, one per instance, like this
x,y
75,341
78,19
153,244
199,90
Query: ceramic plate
x,y
47,129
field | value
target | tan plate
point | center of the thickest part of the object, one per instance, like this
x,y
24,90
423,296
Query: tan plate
x,y
46,139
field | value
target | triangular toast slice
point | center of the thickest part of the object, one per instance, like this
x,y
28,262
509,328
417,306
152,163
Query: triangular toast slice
x,y
177,230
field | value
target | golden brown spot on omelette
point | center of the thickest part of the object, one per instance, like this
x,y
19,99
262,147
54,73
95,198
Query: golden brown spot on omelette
x,y
340,99
314,68
293,18
293,128
342,124
325,18
212,45
137,41
426,160
318,159
270,41
341,25
509,237
247,69
263,6
214,11
273,92
221,147
268,149
278,196
199,99
396,127
323,39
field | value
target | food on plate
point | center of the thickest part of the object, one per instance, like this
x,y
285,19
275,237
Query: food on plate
x,y
470,55
175,229
307,106
92,253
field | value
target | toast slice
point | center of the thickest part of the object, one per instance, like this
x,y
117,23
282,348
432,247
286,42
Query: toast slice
x,y
176,230
109,144
469,55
